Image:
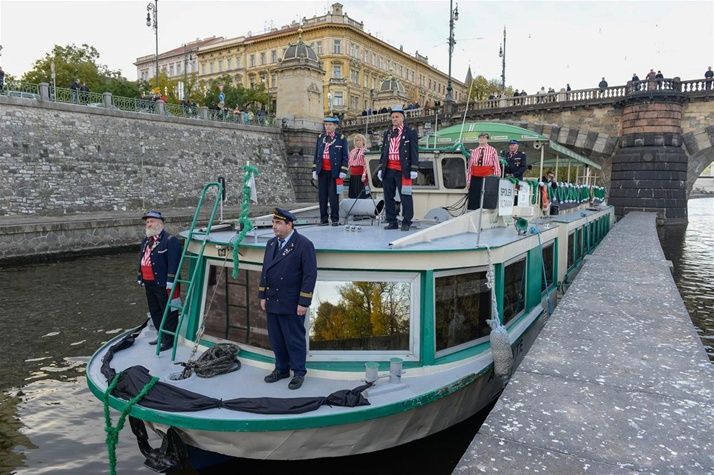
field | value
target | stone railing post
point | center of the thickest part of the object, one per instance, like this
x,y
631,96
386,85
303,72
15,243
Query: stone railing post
x,y
203,112
107,100
44,92
160,107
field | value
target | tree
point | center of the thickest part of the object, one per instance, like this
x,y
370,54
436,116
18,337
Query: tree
x,y
236,95
80,62
483,88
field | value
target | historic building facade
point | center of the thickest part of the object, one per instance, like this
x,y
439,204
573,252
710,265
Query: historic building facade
x,y
355,63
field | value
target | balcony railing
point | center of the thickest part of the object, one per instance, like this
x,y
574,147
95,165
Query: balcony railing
x,y
129,104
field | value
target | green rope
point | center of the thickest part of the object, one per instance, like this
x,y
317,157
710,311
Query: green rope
x,y
113,432
244,223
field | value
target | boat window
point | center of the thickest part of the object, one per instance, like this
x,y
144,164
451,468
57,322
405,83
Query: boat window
x,y
549,264
454,171
373,168
514,291
232,307
425,174
370,314
462,305
571,250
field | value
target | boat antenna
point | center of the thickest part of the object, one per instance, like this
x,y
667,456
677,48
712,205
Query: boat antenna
x,y
468,98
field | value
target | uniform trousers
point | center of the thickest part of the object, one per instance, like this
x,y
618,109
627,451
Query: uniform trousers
x,y
474,196
392,181
157,298
287,338
327,190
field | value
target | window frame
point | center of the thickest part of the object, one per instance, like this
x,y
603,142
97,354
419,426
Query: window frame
x,y
554,272
410,354
519,314
467,344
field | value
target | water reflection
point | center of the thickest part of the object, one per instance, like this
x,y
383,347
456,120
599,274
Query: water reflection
x,y
691,250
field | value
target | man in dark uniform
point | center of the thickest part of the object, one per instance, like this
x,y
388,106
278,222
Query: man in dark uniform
x,y
158,262
515,161
399,156
285,292
329,169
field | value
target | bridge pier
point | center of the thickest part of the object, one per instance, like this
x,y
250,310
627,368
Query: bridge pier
x,y
649,171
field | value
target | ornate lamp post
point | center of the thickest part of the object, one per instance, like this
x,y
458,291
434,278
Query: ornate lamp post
x,y
502,54
187,57
453,16
154,9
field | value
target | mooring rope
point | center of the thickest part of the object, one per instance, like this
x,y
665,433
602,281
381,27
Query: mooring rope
x,y
113,431
218,359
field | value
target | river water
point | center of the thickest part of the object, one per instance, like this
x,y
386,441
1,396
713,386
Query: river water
x,y
54,315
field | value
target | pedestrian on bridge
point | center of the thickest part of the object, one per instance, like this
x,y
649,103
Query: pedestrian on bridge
x,y
602,86
2,79
635,82
651,80
709,77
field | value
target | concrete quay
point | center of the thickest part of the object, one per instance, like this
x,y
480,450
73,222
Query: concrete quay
x,y
618,380
36,238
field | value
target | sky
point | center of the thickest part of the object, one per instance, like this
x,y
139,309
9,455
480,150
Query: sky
x,y
548,43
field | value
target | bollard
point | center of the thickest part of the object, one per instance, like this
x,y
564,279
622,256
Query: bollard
x,y
371,372
44,92
395,370
203,112
160,107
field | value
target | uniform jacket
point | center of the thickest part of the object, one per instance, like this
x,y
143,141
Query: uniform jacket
x,y
408,153
516,164
338,154
288,279
164,258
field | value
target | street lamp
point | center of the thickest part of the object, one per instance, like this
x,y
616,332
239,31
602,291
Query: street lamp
x,y
154,9
453,16
502,54
187,56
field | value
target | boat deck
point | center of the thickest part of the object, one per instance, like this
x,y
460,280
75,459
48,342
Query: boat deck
x,y
248,382
372,237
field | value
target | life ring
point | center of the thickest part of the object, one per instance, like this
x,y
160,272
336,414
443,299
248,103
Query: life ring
x,y
544,202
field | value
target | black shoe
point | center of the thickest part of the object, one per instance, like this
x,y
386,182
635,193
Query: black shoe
x,y
296,382
391,226
154,341
324,223
405,227
275,376
166,345
335,223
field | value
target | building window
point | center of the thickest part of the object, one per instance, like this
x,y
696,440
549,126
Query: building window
x,y
462,304
273,80
338,99
203,68
229,64
514,291
366,80
252,60
337,47
220,65
354,75
273,56
262,58
252,81
178,68
319,48
211,67
337,71
171,70
237,61
354,102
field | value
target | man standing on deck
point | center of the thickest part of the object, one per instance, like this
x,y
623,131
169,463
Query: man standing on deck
x,y
329,169
285,292
515,161
399,156
158,262
482,163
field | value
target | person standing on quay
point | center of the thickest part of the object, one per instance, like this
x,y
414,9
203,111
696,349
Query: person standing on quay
x,y
399,155
709,77
329,169
285,292
483,162
158,262
357,166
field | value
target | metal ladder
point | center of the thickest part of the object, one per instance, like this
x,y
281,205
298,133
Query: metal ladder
x,y
184,307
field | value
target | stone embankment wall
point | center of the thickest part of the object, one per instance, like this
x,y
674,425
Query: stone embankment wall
x,y
64,159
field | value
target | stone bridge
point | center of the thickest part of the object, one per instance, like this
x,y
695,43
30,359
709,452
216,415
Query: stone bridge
x,y
588,120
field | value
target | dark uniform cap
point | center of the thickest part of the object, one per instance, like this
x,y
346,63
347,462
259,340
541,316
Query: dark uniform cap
x,y
513,142
153,214
283,215
333,120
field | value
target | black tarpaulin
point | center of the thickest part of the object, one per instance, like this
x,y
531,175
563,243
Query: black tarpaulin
x,y
166,397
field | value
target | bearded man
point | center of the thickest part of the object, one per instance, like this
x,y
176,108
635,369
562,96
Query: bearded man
x,y
158,262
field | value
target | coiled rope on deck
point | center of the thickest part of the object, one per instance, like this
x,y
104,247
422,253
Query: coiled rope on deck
x,y
113,431
218,359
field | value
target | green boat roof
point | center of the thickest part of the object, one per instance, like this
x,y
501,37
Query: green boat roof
x,y
499,132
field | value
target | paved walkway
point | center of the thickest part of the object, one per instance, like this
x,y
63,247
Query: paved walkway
x,y
617,382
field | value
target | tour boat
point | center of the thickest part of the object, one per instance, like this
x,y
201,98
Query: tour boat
x,y
399,338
